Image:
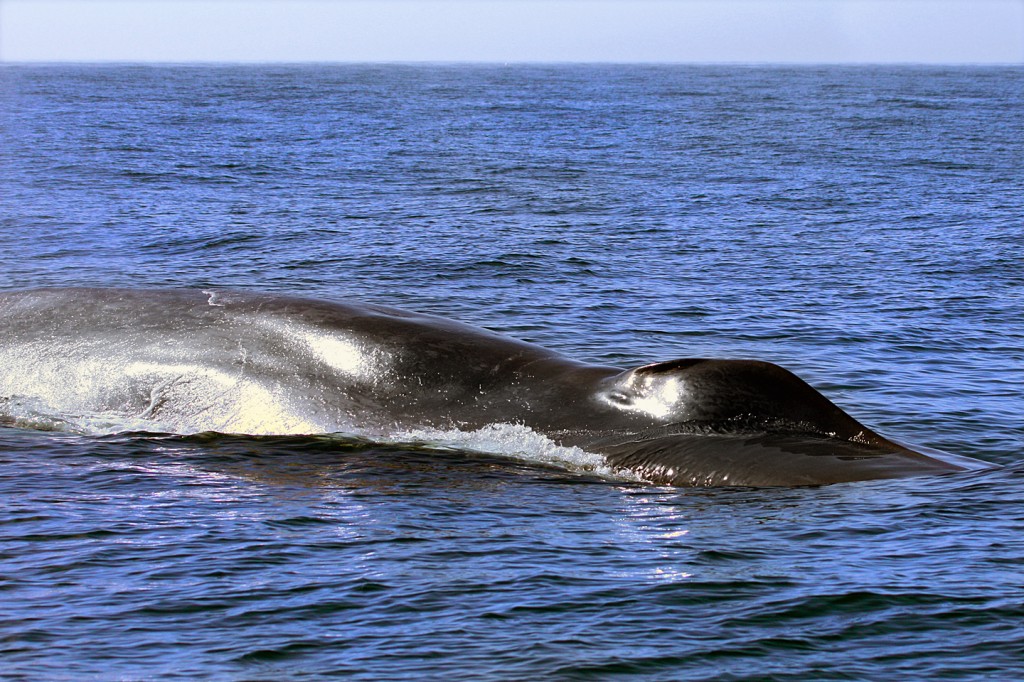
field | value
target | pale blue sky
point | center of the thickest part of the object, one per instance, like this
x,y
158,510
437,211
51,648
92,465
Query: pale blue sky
x,y
922,31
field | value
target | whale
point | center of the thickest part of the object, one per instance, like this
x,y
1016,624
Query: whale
x,y
210,360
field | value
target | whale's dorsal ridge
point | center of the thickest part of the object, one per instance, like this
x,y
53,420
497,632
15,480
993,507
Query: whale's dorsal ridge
x,y
669,366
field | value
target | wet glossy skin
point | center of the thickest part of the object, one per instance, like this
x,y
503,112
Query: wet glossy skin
x,y
188,361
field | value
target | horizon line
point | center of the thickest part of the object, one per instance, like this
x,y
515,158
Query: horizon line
x,y
482,62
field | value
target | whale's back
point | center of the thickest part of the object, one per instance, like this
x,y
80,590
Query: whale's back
x,y
189,360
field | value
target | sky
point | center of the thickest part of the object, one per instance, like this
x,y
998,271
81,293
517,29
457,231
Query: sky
x,y
689,31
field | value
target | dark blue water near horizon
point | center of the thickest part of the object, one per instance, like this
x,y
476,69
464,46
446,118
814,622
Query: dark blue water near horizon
x,y
861,226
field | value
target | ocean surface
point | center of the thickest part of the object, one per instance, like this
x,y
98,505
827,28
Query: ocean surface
x,y
861,226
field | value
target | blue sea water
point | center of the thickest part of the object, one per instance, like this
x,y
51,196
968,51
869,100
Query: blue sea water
x,y
861,226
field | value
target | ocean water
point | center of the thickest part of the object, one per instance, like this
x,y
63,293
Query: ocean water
x,y
861,226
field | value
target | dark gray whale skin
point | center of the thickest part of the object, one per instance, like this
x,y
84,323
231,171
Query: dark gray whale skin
x,y
191,360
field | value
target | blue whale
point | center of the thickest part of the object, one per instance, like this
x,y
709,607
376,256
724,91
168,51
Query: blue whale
x,y
185,361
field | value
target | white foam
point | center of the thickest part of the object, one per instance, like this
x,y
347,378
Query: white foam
x,y
515,441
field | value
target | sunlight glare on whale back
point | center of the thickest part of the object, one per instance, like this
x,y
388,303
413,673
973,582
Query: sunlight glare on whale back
x,y
342,354
655,395
175,398
221,401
